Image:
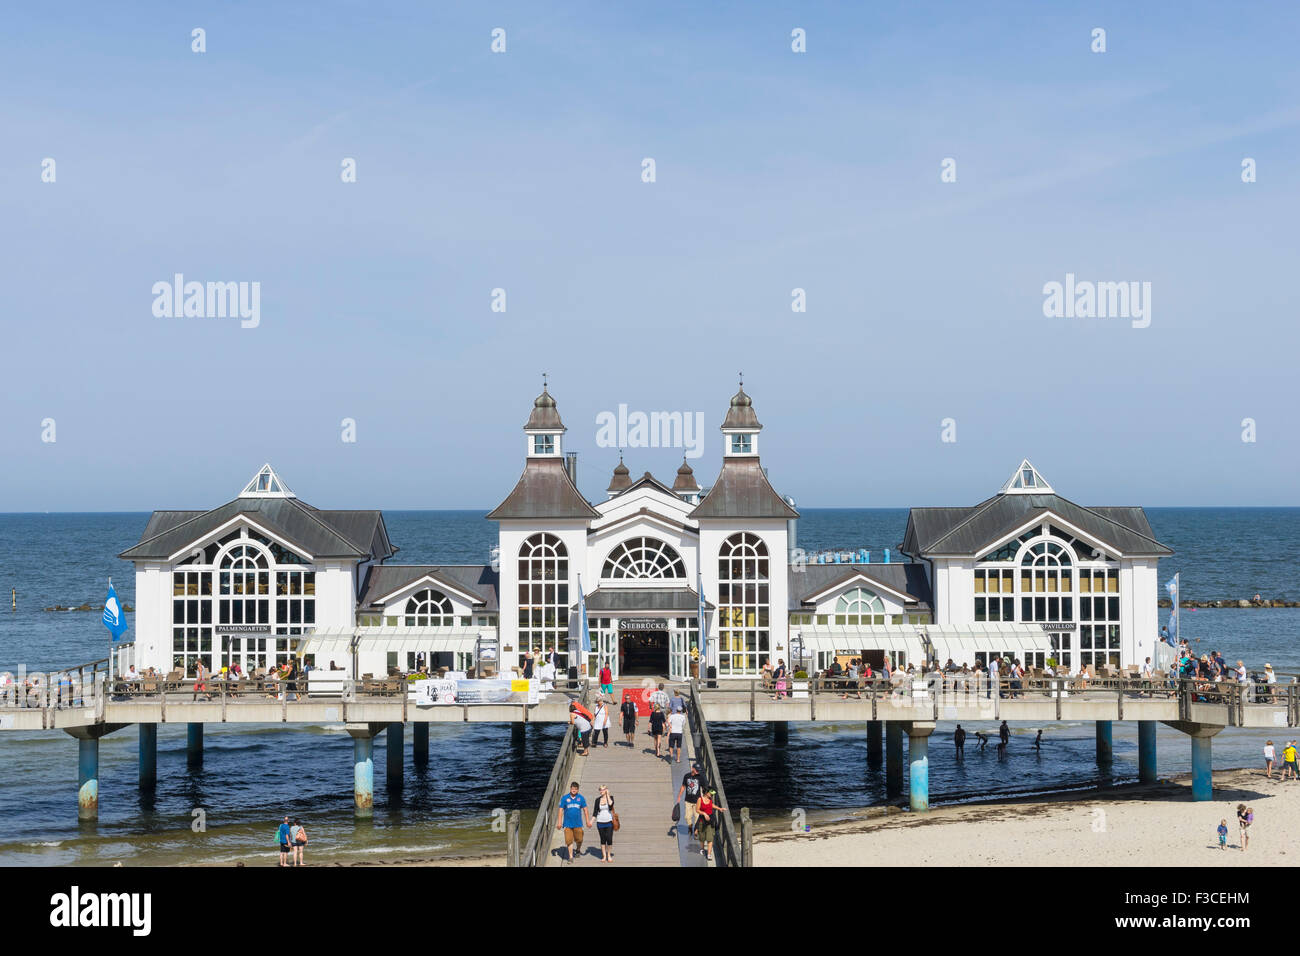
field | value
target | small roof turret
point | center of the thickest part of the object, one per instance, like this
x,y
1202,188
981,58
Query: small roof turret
x,y
685,482
741,413
622,478
545,415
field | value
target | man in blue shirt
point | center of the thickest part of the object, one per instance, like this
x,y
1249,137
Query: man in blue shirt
x,y
282,834
573,816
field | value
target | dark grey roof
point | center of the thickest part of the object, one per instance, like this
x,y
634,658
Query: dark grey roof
x,y
968,531
632,600
742,491
322,534
544,413
909,579
740,414
649,479
476,579
544,490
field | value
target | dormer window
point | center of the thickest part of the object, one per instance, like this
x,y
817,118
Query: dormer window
x,y
543,444
742,444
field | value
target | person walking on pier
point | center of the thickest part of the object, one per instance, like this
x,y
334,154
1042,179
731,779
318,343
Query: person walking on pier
x,y
657,722
573,816
607,681
676,728
282,836
605,819
708,811
600,724
959,741
628,710
660,698
688,794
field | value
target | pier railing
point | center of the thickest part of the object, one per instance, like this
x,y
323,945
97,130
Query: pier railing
x,y
927,696
731,843
534,852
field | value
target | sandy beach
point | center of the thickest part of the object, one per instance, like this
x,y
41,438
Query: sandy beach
x,y
1130,825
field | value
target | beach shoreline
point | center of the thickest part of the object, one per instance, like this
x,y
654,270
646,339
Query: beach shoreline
x,y
1131,824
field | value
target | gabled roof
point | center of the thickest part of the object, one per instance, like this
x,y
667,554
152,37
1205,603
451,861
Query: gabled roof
x,y
908,580
358,535
742,491
544,490
478,580
969,531
653,482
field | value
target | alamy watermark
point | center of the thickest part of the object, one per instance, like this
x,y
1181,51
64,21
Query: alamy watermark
x,y
1098,300
626,429
208,300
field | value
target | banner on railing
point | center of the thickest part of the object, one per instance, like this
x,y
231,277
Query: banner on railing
x,y
429,693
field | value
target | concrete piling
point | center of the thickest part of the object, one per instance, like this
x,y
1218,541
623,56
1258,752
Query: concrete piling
x,y
420,744
394,756
363,775
1105,743
88,778
148,755
194,744
781,732
1147,751
875,740
893,758
918,758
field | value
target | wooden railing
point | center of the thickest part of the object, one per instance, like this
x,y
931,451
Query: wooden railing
x,y
730,844
534,851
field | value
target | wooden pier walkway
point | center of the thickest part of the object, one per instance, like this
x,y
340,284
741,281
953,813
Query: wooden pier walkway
x,y
644,788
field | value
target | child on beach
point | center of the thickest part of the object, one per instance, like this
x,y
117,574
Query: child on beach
x,y
1223,834
1269,757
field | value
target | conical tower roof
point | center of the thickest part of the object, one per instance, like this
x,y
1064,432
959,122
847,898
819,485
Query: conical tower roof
x,y
545,415
741,412
685,479
622,478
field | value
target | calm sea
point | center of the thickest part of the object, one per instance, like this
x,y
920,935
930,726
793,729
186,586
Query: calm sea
x,y
250,778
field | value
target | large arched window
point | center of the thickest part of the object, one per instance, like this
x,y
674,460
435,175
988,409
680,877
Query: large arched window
x,y
544,597
644,558
429,608
1046,582
859,606
240,599
743,604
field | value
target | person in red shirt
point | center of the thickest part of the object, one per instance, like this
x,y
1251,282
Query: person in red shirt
x,y
607,681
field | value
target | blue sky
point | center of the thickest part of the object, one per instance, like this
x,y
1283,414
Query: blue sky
x,y
775,170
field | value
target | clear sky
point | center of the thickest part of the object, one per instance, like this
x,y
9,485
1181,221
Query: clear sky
x,y
522,170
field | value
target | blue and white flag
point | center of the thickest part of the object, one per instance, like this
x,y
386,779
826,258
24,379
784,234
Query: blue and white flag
x,y
578,624
703,621
1172,587
114,619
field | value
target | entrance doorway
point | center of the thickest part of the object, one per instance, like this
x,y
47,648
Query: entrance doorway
x,y
643,652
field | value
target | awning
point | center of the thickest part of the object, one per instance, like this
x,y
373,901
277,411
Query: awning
x,y
962,643
631,601
880,637
429,640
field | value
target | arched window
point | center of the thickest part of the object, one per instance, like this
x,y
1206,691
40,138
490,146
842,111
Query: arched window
x,y
544,597
743,604
1046,582
429,608
859,606
644,558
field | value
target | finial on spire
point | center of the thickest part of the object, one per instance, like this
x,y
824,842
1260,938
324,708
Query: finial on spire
x,y
543,381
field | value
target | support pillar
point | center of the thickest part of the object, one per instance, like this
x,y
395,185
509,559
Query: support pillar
x,y
148,755
1202,762
1105,743
420,744
875,741
918,758
781,732
88,767
893,758
88,778
517,730
1147,751
363,769
194,744
394,755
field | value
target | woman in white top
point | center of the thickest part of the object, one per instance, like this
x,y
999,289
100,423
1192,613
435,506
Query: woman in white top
x,y
600,723
1269,756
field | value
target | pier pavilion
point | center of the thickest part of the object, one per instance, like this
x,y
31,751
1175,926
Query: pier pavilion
x,y
1025,574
